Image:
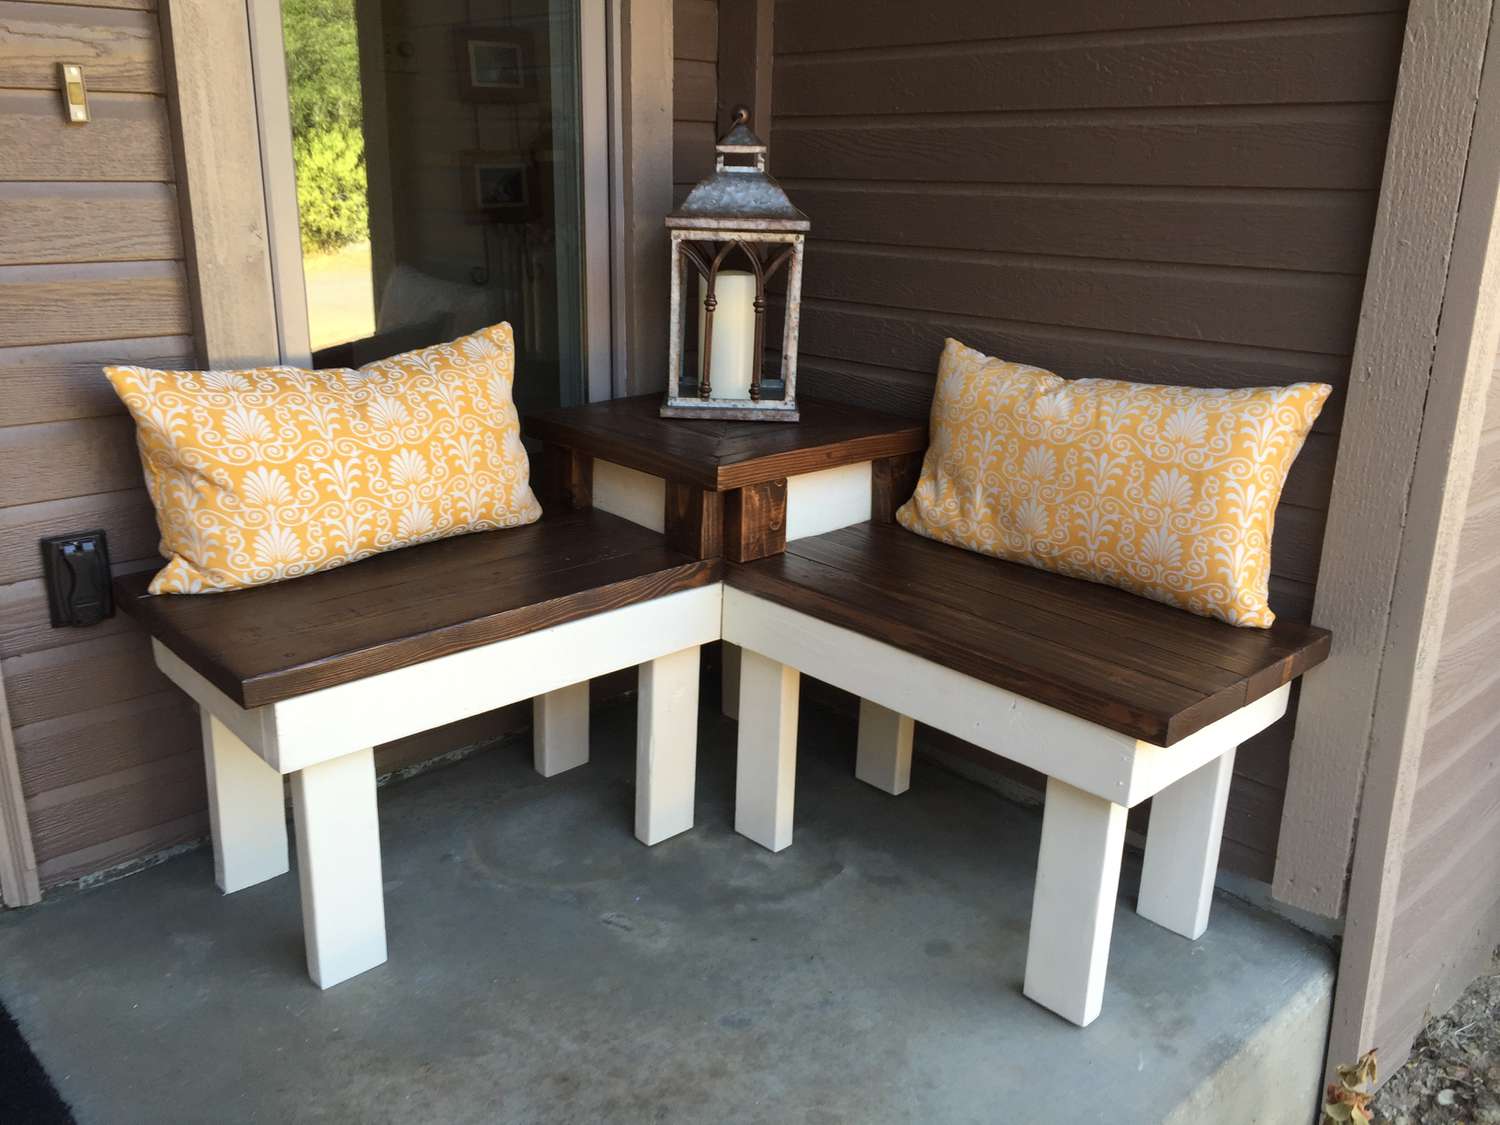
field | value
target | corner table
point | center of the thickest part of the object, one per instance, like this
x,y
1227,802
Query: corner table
x,y
736,490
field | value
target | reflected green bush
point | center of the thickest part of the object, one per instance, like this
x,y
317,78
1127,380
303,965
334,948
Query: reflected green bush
x,y
331,195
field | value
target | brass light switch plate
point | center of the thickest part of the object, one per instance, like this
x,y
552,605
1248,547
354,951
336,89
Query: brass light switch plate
x,y
75,94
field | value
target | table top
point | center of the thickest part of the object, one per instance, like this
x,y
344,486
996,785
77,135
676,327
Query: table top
x,y
719,455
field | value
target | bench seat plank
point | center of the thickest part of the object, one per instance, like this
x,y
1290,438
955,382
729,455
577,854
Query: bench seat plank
x,y
270,643
1138,667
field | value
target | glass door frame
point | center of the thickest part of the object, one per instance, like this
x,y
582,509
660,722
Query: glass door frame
x,y
597,78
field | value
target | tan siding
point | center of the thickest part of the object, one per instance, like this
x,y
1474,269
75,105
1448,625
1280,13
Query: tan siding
x,y
91,272
126,138
1161,191
48,222
1444,932
695,90
120,51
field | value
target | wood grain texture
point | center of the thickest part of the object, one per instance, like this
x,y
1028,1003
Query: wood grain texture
x,y
695,30
120,51
1316,231
26,625
112,222
1332,147
805,27
94,742
126,138
134,5
61,382
41,305
1146,670
694,520
127,517
894,345
59,460
44,685
407,606
106,808
1297,311
724,455
566,479
121,852
694,92
755,521
892,482
1267,62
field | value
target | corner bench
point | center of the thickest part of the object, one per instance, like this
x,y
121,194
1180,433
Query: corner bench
x,y
306,677
1114,697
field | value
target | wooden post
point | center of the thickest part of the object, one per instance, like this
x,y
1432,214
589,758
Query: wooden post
x,y
755,521
694,520
246,810
746,37
766,773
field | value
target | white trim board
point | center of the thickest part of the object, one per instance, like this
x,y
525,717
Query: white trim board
x,y
1085,755
1451,420
306,729
1377,516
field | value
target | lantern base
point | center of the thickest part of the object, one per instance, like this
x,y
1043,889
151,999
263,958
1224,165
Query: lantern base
x,y
728,409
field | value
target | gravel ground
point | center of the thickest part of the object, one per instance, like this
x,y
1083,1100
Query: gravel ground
x,y
1453,1075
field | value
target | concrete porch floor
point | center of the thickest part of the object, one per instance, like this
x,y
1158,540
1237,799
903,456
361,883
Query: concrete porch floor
x,y
545,967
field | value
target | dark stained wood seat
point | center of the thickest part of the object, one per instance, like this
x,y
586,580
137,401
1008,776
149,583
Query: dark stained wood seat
x,y
1144,669
270,643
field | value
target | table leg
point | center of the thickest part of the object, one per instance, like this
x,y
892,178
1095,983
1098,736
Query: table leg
x,y
766,770
246,810
1182,849
729,680
338,862
1073,911
560,729
666,754
884,756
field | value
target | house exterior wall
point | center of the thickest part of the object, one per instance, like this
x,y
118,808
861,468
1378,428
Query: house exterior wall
x,y
695,91
91,272
1104,192
1446,924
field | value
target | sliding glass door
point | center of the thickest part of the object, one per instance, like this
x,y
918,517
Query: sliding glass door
x,y
438,158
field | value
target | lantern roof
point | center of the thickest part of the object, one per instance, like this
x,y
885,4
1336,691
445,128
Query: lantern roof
x,y
738,196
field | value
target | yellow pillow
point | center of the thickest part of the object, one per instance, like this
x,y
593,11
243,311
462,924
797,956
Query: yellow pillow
x,y
1169,492
275,472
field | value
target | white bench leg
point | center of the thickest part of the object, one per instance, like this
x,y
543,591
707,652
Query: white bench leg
x,y
246,810
666,753
560,729
729,680
884,756
766,769
338,866
1182,849
1073,911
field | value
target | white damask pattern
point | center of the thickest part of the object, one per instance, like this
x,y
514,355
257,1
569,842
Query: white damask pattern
x,y
275,472
1169,492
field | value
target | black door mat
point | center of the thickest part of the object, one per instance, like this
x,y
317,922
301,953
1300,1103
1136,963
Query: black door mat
x,y
27,1096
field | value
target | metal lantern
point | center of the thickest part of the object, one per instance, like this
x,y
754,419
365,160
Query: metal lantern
x,y
738,217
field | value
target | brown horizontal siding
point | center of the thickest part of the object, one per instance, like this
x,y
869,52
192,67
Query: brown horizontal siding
x,y
91,272
120,51
1165,192
44,223
1447,921
126,138
1270,61
695,91
802,27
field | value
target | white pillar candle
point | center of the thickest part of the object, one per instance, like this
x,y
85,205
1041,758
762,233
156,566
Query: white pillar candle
x,y
734,333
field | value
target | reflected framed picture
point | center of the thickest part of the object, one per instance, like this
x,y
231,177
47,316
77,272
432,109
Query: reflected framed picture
x,y
495,64
500,187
